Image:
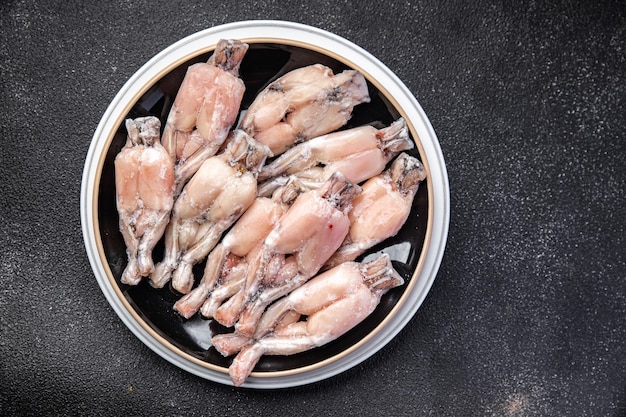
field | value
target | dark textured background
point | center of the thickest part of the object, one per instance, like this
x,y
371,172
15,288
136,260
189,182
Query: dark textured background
x,y
528,314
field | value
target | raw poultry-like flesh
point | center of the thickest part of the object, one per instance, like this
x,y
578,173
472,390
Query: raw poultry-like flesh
x,y
224,273
333,303
377,213
359,153
204,110
302,104
216,196
144,184
297,247
381,209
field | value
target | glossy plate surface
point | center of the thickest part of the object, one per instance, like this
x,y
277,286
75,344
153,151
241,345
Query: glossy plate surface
x,y
276,47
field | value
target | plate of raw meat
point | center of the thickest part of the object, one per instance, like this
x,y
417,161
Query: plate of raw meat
x,y
265,204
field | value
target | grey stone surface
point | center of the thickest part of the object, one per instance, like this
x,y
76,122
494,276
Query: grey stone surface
x,y
528,314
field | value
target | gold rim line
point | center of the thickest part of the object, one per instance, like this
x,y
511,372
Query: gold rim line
x,y
160,338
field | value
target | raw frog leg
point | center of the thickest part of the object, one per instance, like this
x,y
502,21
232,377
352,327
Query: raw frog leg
x,y
297,247
358,153
302,104
144,185
377,213
204,110
381,209
215,197
225,269
333,302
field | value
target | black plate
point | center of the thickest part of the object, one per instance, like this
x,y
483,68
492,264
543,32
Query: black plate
x,y
263,63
